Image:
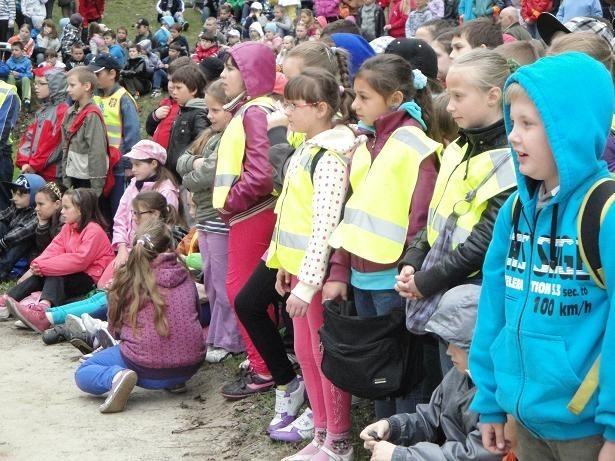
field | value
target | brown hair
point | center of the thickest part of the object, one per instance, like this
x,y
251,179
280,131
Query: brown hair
x,y
215,91
388,73
446,123
584,42
155,201
481,31
178,27
181,61
53,191
340,26
87,202
109,33
436,27
52,25
94,28
17,44
192,78
134,284
521,51
318,54
84,75
314,85
445,39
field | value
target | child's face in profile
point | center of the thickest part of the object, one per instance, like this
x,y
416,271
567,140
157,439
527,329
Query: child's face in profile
x,y
173,54
75,89
304,18
529,140
21,198
469,105
233,82
45,206
459,358
174,34
70,213
460,46
182,93
41,87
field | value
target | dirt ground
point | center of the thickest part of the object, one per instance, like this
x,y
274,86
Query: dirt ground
x,y
44,416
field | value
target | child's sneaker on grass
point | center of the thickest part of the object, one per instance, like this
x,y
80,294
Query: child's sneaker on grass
x,y
248,383
288,400
216,354
297,431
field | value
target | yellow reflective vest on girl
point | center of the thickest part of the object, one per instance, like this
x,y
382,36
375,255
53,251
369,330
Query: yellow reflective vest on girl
x,y
232,150
293,228
464,187
375,222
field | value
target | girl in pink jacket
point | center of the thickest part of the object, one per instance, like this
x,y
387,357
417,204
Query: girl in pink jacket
x,y
153,311
70,266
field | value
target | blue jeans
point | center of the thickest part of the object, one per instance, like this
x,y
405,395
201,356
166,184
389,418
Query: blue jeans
x,y
160,79
95,375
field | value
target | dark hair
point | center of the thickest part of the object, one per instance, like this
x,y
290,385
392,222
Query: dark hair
x,y
209,35
446,123
192,78
94,28
319,54
388,73
27,26
17,44
109,33
52,25
53,191
155,201
226,7
481,31
176,47
181,61
445,39
87,202
315,85
76,46
436,26
521,51
51,53
136,46
341,26
125,29
177,27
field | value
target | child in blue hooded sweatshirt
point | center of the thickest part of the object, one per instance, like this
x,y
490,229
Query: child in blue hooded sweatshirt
x,y
542,320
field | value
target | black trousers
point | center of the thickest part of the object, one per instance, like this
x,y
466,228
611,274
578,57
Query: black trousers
x,y
55,289
14,253
251,306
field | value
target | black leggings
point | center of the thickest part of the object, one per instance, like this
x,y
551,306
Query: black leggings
x,y
55,289
251,305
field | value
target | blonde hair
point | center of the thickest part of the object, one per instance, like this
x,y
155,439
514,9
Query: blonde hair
x,y
513,92
486,68
318,54
584,42
134,284
84,76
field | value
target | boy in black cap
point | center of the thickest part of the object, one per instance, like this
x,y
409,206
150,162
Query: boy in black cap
x,y
143,32
18,222
119,110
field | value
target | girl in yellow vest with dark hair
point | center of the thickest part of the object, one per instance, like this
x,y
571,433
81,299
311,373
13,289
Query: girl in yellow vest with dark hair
x,y
308,210
392,178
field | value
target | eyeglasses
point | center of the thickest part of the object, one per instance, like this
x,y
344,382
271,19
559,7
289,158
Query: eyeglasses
x,y
290,107
139,213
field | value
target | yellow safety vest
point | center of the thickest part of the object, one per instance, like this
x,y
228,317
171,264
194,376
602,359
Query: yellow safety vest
x,y
5,90
110,108
376,220
293,227
231,151
464,188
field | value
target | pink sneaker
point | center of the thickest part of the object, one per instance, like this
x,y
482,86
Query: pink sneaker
x,y
32,315
4,309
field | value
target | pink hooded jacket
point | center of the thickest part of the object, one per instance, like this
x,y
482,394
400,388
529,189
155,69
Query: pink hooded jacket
x,y
252,191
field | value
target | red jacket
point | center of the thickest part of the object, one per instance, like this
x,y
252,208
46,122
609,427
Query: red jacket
x,y
41,144
71,252
201,53
90,10
397,20
160,130
341,261
530,9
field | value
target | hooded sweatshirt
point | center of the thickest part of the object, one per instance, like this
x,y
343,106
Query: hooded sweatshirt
x,y
542,320
41,145
252,191
181,352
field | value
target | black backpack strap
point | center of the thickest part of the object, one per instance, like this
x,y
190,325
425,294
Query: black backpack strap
x,y
596,203
315,161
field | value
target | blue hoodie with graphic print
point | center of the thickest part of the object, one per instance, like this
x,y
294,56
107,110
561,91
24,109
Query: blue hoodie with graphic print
x,y
542,321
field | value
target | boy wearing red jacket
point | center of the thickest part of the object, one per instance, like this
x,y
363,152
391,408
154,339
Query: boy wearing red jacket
x,y
531,9
40,148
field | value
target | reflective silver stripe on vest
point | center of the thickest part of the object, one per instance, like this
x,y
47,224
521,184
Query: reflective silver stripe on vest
x,y
225,180
460,234
375,225
294,241
413,141
505,173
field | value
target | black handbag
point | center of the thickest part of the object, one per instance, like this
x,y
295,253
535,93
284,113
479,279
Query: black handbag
x,y
373,357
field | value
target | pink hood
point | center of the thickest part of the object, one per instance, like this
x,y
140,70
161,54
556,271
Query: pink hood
x,y
256,62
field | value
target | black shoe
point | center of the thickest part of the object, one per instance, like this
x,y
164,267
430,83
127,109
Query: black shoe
x,y
56,334
26,105
185,26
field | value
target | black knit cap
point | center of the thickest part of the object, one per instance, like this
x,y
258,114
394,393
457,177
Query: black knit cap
x,y
211,68
417,52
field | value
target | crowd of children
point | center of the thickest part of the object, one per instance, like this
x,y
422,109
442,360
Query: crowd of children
x,y
394,156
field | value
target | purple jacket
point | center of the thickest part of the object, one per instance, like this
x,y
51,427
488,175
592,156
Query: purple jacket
x,y
341,261
252,191
327,8
609,153
181,352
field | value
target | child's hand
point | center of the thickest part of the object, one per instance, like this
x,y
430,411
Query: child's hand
x,y
296,307
162,112
335,290
607,453
121,258
375,432
282,282
387,27
382,451
26,168
36,270
493,438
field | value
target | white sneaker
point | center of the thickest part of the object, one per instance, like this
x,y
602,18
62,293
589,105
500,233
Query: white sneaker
x,y
216,354
300,429
22,326
287,406
245,365
4,313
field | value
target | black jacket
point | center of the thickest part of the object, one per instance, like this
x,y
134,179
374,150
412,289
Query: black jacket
x,y
135,68
468,257
190,122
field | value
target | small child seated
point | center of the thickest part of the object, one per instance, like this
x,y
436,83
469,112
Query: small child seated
x,y
20,68
207,47
134,75
51,60
18,222
76,58
445,428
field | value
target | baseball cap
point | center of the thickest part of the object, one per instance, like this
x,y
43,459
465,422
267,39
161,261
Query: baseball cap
x,y
417,53
256,6
142,22
104,61
548,25
27,182
148,150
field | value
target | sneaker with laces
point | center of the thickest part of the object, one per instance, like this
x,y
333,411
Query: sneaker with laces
x,y
105,339
297,431
123,384
306,453
245,365
75,327
287,405
56,334
248,383
32,315
216,354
